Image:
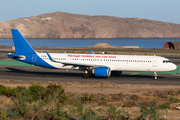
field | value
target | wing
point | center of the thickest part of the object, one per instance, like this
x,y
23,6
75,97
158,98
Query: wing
x,y
80,64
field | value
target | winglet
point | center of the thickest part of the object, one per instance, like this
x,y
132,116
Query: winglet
x,y
49,56
91,52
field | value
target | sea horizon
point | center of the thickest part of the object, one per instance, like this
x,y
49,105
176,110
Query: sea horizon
x,y
141,43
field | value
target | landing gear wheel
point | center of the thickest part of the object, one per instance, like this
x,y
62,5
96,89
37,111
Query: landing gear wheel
x,y
85,75
155,76
93,76
120,72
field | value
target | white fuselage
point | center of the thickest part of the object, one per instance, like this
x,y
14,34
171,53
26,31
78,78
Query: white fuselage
x,y
114,62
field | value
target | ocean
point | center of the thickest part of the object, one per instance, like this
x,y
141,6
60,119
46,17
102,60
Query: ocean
x,y
141,43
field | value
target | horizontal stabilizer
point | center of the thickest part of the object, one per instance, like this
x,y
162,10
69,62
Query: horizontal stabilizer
x,y
15,56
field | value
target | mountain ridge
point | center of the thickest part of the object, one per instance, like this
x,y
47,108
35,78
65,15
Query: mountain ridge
x,y
66,25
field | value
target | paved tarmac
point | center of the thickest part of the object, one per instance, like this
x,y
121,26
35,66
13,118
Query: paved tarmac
x,y
27,73
44,74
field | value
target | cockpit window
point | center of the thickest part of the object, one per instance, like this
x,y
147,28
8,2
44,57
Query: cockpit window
x,y
166,61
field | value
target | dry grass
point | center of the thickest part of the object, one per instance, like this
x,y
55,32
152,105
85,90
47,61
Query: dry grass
x,y
104,93
5,102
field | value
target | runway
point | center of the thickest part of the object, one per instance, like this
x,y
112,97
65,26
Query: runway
x,y
44,74
26,73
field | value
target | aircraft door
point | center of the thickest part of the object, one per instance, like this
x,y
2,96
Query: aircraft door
x,y
34,58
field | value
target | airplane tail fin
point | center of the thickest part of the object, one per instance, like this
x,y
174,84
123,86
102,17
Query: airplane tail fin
x,y
20,43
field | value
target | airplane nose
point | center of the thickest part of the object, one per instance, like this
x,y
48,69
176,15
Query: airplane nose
x,y
174,67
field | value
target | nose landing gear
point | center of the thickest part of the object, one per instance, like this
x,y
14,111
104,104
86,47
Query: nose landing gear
x,y
155,76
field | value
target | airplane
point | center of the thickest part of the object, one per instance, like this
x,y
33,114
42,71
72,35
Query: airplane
x,y
99,65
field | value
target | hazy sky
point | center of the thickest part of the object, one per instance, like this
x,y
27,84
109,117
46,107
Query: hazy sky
x,y
160,10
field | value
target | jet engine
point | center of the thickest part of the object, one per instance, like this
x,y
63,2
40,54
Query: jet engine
x,y
101,72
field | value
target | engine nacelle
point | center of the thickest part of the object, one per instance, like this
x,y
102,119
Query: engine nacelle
x,y
101,71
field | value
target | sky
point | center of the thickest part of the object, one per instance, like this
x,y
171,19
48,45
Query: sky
x,y
159,10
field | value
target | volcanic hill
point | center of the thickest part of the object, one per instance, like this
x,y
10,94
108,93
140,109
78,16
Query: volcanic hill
x,y
66,25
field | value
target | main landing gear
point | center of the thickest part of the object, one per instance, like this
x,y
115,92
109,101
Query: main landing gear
x,y
155,76
85,75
